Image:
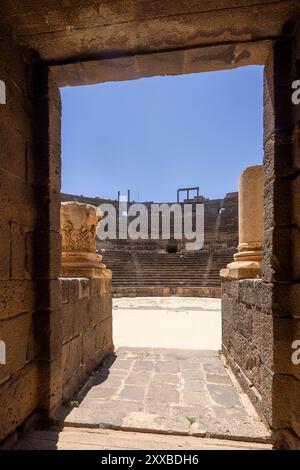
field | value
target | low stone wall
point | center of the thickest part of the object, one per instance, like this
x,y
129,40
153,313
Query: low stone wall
x,y
214,292
247,338
86,329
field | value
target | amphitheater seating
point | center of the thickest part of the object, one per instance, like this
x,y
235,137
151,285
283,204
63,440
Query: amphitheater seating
x,y
149,269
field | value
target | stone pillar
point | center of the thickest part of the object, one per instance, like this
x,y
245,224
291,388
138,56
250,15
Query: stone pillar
x,y
78,223
247,262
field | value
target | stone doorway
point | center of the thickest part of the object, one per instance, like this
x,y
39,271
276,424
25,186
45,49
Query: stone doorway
x,y
43,52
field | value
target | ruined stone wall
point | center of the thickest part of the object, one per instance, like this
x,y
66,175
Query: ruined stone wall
x,y
261,318
40,370
86,329
247,338
29,253
282,230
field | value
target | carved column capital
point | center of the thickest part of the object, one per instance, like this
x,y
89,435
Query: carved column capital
x,y
78,224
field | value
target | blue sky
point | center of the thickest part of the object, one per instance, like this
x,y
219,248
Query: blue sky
x,y
157,134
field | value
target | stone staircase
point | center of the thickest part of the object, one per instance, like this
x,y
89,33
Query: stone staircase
x,y
150,269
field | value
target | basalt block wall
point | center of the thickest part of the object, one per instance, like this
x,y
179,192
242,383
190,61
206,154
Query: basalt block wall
x,y
261,318
44,362
247,337
29,251
86,329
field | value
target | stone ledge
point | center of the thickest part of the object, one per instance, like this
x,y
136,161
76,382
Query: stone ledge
x,y
212,292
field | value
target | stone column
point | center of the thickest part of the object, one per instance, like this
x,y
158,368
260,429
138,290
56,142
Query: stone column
x,y
78,223
247,262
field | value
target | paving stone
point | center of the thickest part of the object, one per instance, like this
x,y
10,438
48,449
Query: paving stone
x,y
133,393
167,367
138,378
195,398
193,375
108,381
162,409
216,367
190,412
156,423
129,354
152,356
164,393
143,365
105,414
189,365
100,393
218,378
123,364
224,395
231,413
194,385
165,378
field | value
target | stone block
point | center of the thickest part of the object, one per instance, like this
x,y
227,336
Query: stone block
x,y
15,195
12,157
48,294
285,439
277,210
67,321
226,333
46,337
18,296
278,144
295,253
226,308
105,307
286,403
79,311
64,290
50,384
104,337
262,336
84,288
276,261
91,312
19,398
48,251
295,206
17,267
15,333
95,286
294,299
73,289
71,386
5,250
243,321
88,345
71,358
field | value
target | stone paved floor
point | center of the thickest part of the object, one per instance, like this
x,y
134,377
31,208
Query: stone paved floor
x,y
168,391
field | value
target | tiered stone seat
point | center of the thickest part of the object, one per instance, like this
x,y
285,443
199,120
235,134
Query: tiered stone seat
x,y
149,269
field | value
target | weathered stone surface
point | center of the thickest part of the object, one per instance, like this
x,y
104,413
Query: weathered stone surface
x,y
78,230
15,333
18,397
118,401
